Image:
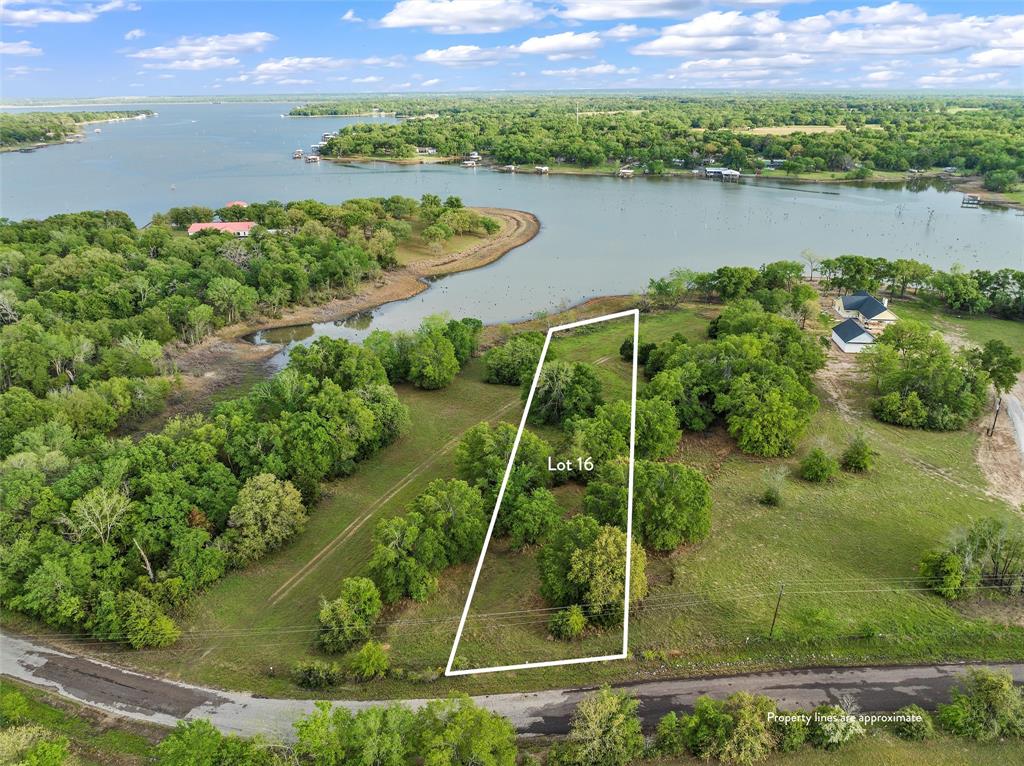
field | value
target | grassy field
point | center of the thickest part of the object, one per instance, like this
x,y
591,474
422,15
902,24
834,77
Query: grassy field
x,y
415,249
847,552
973,329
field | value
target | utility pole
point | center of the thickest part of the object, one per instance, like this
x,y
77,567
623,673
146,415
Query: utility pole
x,y
778,602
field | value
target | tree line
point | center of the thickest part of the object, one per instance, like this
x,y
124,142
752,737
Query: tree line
x,y
27,128
112,536
973,134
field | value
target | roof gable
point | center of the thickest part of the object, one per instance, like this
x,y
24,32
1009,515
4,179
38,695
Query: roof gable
x,y
851,330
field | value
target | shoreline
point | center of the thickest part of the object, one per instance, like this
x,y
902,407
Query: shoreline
x,y
227,358
77,138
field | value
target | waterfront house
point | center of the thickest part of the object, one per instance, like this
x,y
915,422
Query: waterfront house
x,y
873,314
238,228
469,164
542,169
851,336
508,168
429,150
626,172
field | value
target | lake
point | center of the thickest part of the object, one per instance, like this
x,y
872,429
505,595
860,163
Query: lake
x,y
598,235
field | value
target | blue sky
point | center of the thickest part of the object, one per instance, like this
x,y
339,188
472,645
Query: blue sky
x,y
144,48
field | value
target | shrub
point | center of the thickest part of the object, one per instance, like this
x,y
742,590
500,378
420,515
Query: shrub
x,y
369,662
515,361
789,730
669,737
13,707
568,623
349,617
773,481
915,723
859,456
986,707
735,730
315,674
831,727
605,730
818,466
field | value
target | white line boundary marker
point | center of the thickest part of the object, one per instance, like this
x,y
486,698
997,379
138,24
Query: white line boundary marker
x,y
448,671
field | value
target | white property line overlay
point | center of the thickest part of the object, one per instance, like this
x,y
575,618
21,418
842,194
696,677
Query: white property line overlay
x,y
448,671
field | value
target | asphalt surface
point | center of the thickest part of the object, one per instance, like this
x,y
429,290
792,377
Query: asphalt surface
x,y
156,700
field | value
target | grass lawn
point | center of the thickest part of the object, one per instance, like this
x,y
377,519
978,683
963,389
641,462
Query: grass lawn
x,y
975,329
847,552
415,249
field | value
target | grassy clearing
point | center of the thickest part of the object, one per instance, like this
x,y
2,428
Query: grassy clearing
x,y
95,737
415,249
785,130
847,552
975,329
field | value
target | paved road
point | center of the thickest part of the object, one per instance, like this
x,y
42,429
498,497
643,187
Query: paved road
x,y
125,693
1016,415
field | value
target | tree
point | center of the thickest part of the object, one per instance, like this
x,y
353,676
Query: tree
x,y
464,335
142,623
530,517
998,360
267,514
348,365
584,563
605,731
671,502
685,389
456,732
564,391
482,457
456,511
768,413
370,662
1001,180
350,617
736,730
407,553
514,362
432,361
831,727
97,514
811,259
197,743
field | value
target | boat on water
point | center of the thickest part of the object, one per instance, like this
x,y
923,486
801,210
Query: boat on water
x,y
313,158
97,130
297,154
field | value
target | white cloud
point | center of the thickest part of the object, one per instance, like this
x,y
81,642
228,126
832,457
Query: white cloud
x,y
394,62
165,76
958,78
134,34
597,69
998,57
882,75
293,64
207,47
402,85
20,48
197,64
56,13
351,17
294,81
626,32
458,17
602,10
12,72
462,55
429,83
563,45
365,80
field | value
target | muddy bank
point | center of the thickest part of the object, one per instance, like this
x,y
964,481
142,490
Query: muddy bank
x,y
225,359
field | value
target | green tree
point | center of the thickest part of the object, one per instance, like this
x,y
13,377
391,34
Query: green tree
x,y
671,502
514,362
605,731
986,706
370,662
432,361
565,390
456,511
530,517
350,617
456,732
267,514
818,466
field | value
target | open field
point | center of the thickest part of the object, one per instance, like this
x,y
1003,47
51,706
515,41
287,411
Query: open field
x,y
785,130
976,330
847,552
